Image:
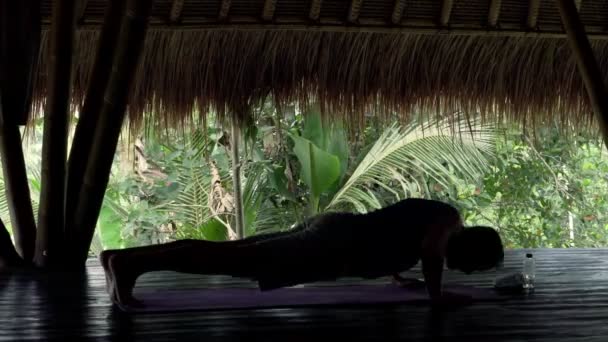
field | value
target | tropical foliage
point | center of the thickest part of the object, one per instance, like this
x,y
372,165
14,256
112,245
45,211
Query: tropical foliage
x,y
541,191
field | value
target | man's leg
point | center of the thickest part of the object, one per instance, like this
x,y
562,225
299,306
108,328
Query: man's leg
x,y
104,257
187,256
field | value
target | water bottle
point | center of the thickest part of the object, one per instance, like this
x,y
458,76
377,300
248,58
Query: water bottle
x,y
529,271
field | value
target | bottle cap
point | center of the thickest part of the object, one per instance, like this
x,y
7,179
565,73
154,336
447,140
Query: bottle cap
x,y
528,255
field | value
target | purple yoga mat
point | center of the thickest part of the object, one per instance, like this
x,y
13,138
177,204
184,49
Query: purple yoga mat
x,y
161,300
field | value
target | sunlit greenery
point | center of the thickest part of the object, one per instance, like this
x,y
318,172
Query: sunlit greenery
x,y
546,190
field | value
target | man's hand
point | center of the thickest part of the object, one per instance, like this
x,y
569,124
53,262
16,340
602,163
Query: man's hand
x,y
409,283
432,269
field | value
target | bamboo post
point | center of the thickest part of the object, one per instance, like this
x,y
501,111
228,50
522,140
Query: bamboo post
x,y
108,127
494,12
315,9
236,183
354,11
224,10
269,8
446,12
81,9
17,187
19,47
533,9
8,254
398,9
50,237
85,128
176,10
587,65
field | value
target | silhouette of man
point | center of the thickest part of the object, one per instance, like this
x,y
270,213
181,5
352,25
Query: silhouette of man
x,y
326,247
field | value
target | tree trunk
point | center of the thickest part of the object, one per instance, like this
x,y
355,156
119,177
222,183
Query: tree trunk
x,y
236,183
108,127
50,242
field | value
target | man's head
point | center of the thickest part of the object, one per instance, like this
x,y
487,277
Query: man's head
x,y
474,249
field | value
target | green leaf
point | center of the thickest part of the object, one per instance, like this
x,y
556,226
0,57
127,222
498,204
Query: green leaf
x,y
109,227
320,169
338,146
213,230
278,181
313,128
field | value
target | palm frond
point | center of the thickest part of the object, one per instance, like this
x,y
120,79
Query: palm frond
x,y
192,203
439,150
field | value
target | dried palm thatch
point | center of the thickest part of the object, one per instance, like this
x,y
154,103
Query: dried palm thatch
x,y
183,71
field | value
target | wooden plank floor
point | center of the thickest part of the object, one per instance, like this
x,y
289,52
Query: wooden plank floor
x,y
569,304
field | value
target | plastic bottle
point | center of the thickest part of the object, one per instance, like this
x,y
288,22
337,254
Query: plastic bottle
x,y
529,271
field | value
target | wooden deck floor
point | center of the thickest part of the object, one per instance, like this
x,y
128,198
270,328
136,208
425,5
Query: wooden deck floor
x,y
569,304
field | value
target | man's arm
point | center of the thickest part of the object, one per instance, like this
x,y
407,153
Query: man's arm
x,y
432,269
433,259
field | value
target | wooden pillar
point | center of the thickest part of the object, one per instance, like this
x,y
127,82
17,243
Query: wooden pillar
x,y
354,11
81,8
176,10
586,62
398,9
315,9
494,13
8,254
17,192
224,10
85,129
446,12
108,126
19,47
50,241
269,8
533,9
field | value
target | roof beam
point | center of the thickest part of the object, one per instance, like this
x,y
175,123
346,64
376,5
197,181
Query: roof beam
x,y
494,13
315,9
533,13
176,10
446,11
551,31
398,11
269,7
354,11
224,10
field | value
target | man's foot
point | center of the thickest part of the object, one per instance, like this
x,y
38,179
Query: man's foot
x,y
122,279
104,259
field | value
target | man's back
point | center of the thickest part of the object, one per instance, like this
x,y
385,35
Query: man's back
x,y
389,240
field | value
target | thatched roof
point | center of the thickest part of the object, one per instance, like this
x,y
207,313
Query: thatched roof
x,y
499,58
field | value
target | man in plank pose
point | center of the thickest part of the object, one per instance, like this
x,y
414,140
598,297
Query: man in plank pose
x,y
380,243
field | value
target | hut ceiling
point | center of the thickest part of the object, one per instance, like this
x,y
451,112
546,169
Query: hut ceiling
x,y
500,58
